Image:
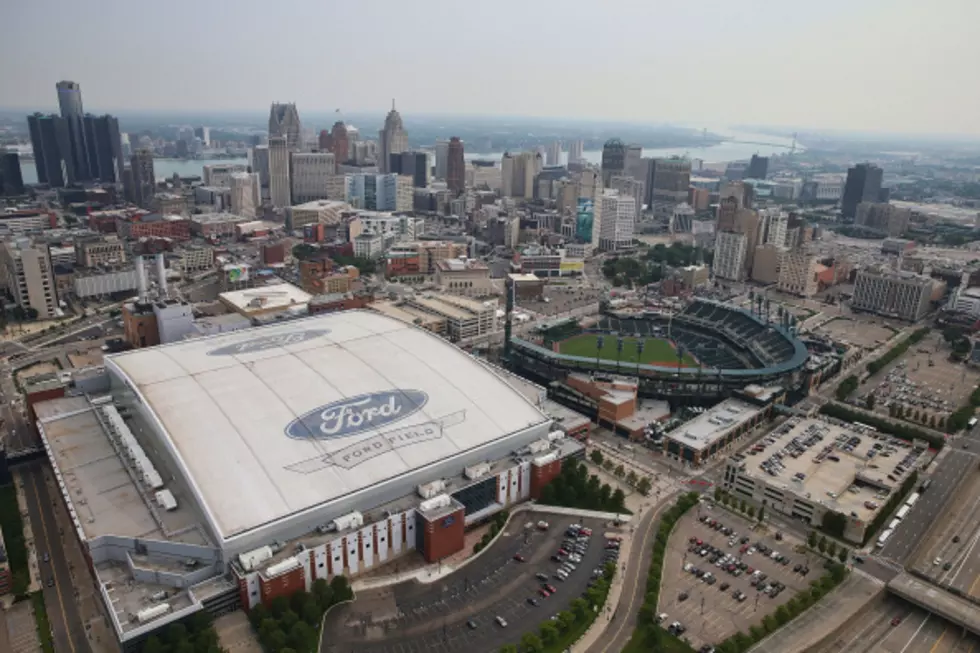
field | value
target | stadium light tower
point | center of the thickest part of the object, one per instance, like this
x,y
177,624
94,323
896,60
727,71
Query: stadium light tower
x,y
599,342
619,351
639,354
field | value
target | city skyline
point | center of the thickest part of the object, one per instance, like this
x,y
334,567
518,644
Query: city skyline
x,y
674,64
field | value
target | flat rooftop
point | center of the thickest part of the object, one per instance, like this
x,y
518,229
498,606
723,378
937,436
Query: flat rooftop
x,y
102,491
266,298
833,465
712,425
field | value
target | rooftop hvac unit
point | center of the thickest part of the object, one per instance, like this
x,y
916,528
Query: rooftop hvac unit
x,y
476,471
252,559
281,568
150,614
539,445
435,503
555,435
165,499
546,459
429,490
350,520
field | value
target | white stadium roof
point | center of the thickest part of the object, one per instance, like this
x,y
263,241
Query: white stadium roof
x,y
271,421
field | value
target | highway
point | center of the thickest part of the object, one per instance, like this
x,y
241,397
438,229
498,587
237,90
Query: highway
x,y
63,613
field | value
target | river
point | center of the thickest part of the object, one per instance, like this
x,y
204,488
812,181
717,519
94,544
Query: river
x,y
736,149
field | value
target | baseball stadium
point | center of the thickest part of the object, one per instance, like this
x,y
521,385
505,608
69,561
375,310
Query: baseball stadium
x,y
705,350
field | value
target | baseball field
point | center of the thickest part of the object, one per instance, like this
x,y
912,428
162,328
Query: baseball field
x,y
656,351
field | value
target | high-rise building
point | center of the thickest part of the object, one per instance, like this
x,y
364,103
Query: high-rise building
x,y
729,261
613,160
758,167
773,227
392,139
634,165
104,148
575,151
258,161
412,164
668,181
863,185
244,194
144,179
70,104
308,175
442,159
204,133
373,192
886,219
517,173
279,171
26,273
11,179
340,142
456,167
903,295
798,272
630,187
51,141
553,154
284,121
323,142
618,221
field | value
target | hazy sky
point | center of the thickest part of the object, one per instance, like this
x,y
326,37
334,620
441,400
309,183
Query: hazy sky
x,y
890,65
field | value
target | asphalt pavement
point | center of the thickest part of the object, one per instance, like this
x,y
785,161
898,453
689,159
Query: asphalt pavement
x,y
59,598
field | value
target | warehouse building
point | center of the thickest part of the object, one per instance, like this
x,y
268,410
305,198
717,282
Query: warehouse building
x,y
355,438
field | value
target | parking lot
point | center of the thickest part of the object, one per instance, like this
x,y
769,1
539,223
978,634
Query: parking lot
x,y
713,600
923,381
459,612
857,331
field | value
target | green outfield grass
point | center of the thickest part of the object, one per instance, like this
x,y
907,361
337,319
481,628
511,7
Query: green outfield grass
x,y
656,351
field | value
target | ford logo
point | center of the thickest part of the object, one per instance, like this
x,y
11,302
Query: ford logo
x,y
268,342
357,414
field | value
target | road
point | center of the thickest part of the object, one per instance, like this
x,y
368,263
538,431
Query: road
x,y
917,523
63,613
620,628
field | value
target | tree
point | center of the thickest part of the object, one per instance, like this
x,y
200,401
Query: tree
x,y
631,478
259,613
302,637
618,501
176,632
782,615
644,485
153,645
608,465
843,554
508,648
620,471
565,620
822,544
340,588
832,549
596,456
580,608
718,494
549,633
531,643
280,605
762,513
277,640
751,512
811,539
605,494
312,613
742,505
322,593
869,402
932,421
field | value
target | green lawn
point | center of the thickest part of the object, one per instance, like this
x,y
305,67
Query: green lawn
x,y
656,351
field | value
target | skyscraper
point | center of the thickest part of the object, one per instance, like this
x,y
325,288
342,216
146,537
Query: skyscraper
x,y
412,164
279,171
70,103
51,141
243,193
11,180
392,139
668,181
613,159
104,143
575,151
517,172
758,167
553,154
863,185
339,142
308,175
323,141
442,159
284,121
144,179
456,167
204,133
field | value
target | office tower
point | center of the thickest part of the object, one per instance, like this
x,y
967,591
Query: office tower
x,y
758,167
507,175
456,167
633,164
308,175
339,142
51,141
668,181
553,154
392,139
104,142
773,226
442,159
374,192
11,179
903,295
323,141
885,219
279,171
204,133
144,180
243,194
729,261
25,270
518,172
284,121
575,151
863,185
70,103
629,187
618,221
258,161
412,164
613,159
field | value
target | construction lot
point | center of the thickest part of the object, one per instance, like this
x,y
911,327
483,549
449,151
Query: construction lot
x,y
923,381
86,358
37,369
562,299
950,554
709,613
856,331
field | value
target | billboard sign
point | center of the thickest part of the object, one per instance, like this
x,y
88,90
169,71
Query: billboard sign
x,y
585,215
357,414
572,267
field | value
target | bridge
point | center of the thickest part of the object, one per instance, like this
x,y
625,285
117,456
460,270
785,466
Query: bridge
x,y
956,609
25,455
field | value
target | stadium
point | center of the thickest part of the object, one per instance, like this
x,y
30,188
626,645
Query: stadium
x,y
220,472
706,350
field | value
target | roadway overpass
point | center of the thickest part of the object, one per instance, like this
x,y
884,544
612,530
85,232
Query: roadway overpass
x,y
949,606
